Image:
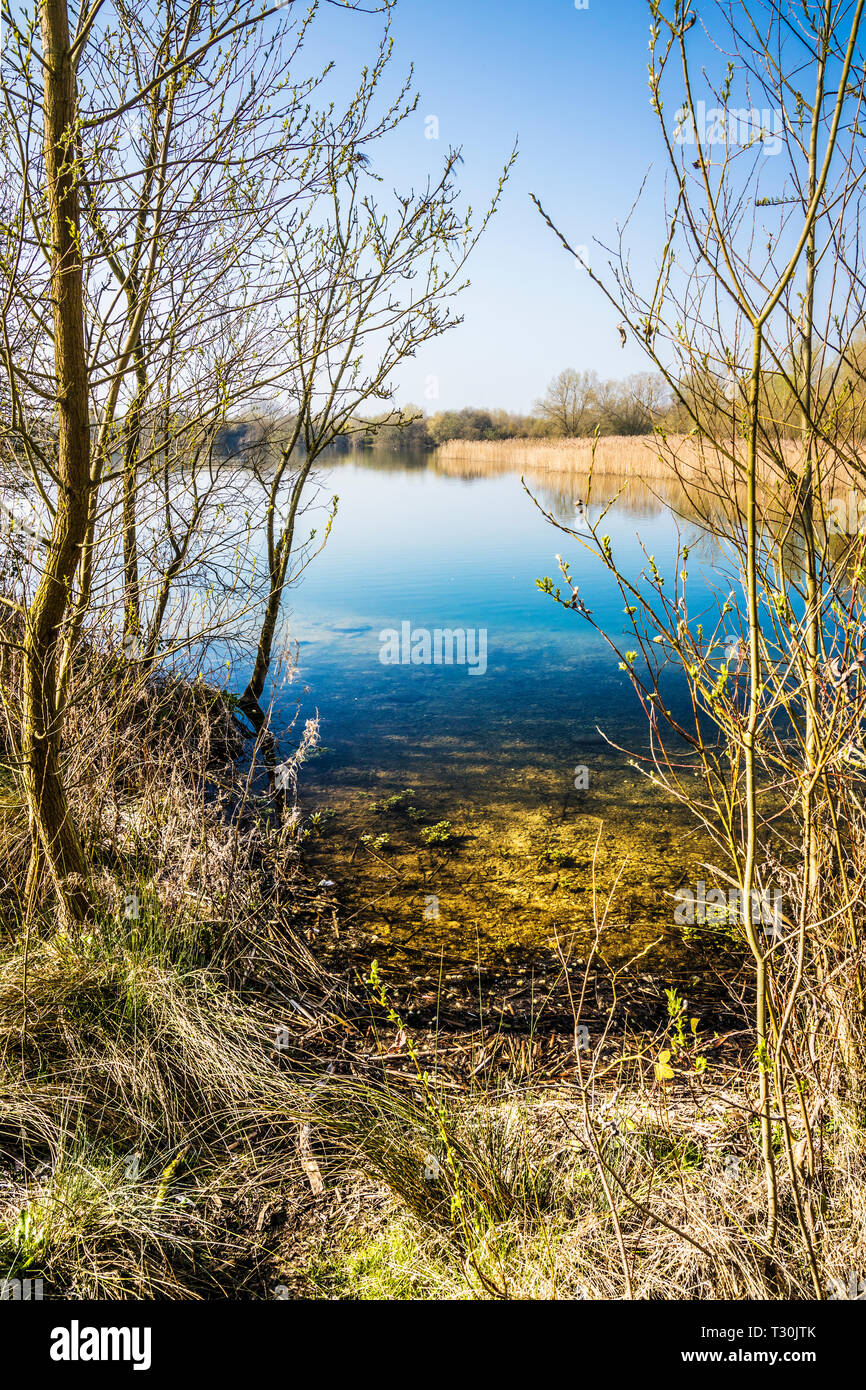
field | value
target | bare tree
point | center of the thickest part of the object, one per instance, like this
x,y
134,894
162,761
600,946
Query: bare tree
x,y
145,213
751,320
571,401
366,286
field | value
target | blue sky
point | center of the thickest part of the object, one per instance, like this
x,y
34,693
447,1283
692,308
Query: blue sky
x,y
571,85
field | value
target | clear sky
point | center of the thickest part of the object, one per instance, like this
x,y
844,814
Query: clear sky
x,y
571,85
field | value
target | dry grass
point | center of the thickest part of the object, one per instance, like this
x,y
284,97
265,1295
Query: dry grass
x,y
690,475
689,478
611,1186
610,455
674,1220
150,1119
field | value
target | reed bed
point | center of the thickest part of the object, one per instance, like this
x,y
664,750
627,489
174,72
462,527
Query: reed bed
x,y
611,454
692,478
649,458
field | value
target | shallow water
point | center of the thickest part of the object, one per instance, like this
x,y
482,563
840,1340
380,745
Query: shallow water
x,y
494,753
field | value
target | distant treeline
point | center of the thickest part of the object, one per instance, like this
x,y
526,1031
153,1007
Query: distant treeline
x,y
579,405
575,404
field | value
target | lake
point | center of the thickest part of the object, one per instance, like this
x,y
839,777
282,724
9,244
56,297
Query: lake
x,y
492,746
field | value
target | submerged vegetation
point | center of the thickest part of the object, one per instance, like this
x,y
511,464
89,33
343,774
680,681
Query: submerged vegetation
x,y
231,1063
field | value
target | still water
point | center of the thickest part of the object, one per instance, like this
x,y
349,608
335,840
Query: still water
x,y
493,751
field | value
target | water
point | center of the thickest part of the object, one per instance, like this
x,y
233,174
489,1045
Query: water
x,y
494,754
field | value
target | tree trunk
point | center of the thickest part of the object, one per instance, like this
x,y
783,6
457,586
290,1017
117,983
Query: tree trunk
x,y
280,554
131,590
42,718
249,702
